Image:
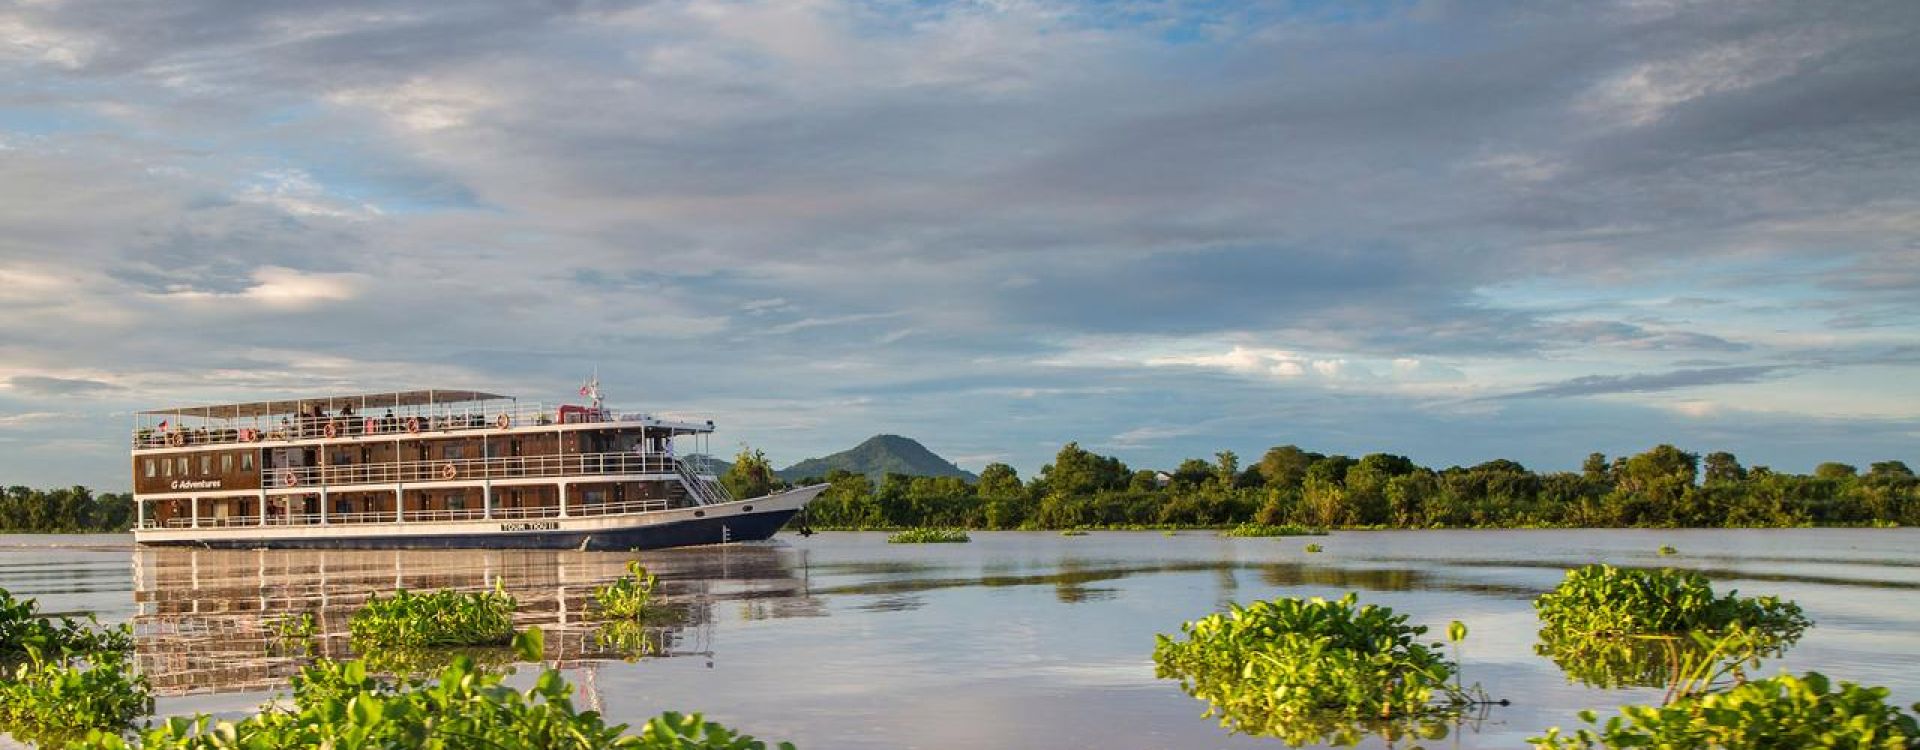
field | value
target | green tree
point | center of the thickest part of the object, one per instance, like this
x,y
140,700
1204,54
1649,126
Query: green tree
x,y
1835,470
751,475
1285,466
1722,467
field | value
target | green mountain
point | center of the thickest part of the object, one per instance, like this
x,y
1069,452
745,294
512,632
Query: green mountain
x,y
879,456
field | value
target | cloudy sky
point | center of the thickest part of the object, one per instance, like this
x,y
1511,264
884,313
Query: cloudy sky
x,y
1453,230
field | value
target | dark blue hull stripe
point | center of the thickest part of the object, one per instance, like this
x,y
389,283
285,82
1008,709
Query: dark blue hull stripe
x,y
747,527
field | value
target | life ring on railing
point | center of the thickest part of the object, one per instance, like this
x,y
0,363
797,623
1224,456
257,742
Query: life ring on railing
x,y
367,426
289,479
449,472
249,435
413,424
332,429
177,439
504,421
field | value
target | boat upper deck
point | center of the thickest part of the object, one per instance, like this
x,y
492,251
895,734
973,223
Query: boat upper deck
x,y
397,414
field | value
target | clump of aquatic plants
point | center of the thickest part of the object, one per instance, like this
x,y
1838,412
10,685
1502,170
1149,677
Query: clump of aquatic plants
x,y
1253,529
24,629
628,597
1308,670
1315,549
629,639
1612,627
432,620
339,704
1667,549
1074,532
1779,713
1602,600
52,698
929,536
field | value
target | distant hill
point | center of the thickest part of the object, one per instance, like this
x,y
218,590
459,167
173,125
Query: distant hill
x,y
879,456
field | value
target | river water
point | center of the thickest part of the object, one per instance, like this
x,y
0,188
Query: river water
x,y
1016,640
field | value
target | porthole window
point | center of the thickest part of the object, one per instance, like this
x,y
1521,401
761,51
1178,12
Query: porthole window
x,y
746,509
699,514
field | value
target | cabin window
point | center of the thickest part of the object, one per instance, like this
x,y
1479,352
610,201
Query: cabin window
x,y
151,469
166,467
182,462
206,464
457,501
456,451
246,462
596,497
226,463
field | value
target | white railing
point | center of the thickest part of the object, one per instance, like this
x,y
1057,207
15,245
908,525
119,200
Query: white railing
x,y
463,469
387,423
574,510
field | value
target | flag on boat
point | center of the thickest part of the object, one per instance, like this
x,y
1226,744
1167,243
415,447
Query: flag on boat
x,y
592,388
163,424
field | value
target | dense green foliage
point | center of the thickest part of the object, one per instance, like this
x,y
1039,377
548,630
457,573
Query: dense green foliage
x,y
340,705
1252,529
1308,670
1663,487
1780,713
51,698
628,597
432,620
1602,600
69,510
929,536
24,630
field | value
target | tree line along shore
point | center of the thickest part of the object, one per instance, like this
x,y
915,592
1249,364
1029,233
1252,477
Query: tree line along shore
x,y
1661,487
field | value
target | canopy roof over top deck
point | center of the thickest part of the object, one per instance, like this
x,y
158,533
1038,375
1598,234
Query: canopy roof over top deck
x,y
361,402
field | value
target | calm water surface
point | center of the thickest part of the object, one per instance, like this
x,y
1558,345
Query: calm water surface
x,y
1017,640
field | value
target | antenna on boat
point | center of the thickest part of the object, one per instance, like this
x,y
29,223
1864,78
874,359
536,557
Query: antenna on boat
x,y
592,388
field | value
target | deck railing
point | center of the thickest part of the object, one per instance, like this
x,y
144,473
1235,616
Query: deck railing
x,y
390,425
575,509
463,469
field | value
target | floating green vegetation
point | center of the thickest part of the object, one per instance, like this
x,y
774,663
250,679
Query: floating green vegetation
x,y
929,536
1311,670
1667,549
49,700
1780,712
1074,532
1251,529
433,620
1315,549
339,704
1602,600
628,597
630,639
23,629
1611,627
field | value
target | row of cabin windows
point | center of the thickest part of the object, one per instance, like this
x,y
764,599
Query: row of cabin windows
x,y
424,453
183,465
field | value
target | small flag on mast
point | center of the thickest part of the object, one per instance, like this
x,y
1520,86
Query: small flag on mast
x,y
163,424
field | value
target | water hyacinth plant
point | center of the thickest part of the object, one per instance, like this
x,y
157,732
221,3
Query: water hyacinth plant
x,y
1602,600
1315,549
22,629
1252,529
338,704
1783,713
50,699
929,536
628,597
440,618
1306,670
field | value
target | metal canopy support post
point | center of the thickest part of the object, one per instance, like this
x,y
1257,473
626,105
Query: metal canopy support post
x,y
563,499
486,499
195,512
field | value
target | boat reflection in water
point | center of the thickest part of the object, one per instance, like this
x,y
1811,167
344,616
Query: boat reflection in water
x,y
206,619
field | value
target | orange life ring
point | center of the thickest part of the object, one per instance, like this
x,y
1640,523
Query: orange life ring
x,y
332,429
413,424
289,479
177,439
367,427
249,435
449,472
503,422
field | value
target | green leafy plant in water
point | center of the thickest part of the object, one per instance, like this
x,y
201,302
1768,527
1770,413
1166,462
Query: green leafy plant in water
x,y
1667,549
1074,532
50,699
1251,529
1315,549
23,629
1779,713
630,639
929,536
1311,670
1612,627
339,704
432,620
628,597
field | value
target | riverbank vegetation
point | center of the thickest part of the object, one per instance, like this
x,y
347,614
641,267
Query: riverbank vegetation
x,y
1662,487
69,510
1256,529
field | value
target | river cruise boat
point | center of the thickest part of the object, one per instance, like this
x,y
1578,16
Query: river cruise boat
x,y
435,468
